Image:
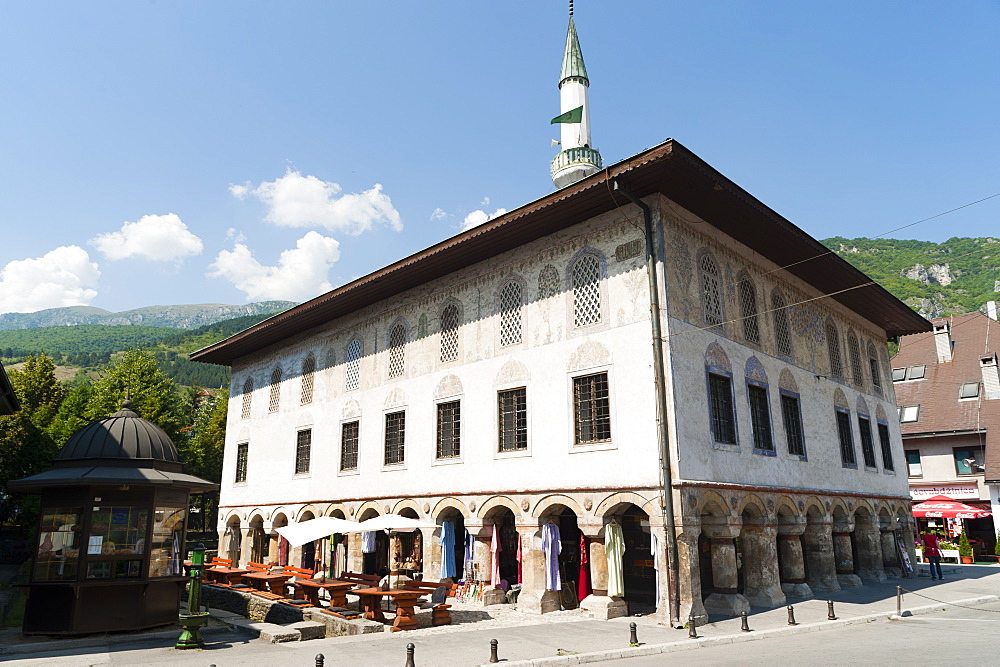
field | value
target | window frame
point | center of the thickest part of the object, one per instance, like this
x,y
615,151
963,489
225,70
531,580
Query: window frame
x,y
597,404
867,443
761,424
916,414
713,417
920,464
842,419
783,396
399,430
501,394
961,391
344,425
888,460
456,425
901,372
242,462
977,452
833,351
912,374
303,444
396,348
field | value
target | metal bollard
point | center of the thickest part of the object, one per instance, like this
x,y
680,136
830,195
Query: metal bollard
x,y
899,600
409,655
791,615
320,660
830,616
633,639
692,628
493,651
744,623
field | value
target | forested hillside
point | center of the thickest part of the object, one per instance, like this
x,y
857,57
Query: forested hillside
x,y
183,316
935,279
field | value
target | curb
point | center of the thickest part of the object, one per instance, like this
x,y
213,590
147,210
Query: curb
x,y
689,644
103,640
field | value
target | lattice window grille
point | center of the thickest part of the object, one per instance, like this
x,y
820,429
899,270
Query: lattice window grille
x,y
510,314
349,446
782,326
711,289
867,444
792,417
833,348
395,437
876,369
548,282
449,333
852,344
748,311
847,454
397,347
242,451
275,397
308,375
352,376
883,436
760,418
247,398
303,445
586,291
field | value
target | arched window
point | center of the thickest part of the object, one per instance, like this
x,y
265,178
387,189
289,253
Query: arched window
x,y
852,347
876,368
247,396
586,291
711,290
748,310
352,375
510,313
833,348
449,333
397,348
275,390
782,326
308,371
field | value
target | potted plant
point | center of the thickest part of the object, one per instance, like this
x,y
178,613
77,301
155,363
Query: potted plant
x,y
965,549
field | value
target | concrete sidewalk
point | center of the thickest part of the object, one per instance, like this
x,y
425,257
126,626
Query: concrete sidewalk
x,y
570,640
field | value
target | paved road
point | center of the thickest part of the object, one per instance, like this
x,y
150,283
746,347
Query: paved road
x,y
945,637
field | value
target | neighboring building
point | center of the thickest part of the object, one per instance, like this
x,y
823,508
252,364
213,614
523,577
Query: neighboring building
x,y
948,391
8,398
506,377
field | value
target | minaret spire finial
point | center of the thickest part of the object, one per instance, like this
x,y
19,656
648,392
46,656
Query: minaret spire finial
x,y
571,7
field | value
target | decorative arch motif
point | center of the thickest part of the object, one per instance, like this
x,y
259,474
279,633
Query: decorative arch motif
x,y
275,394
875,368
609,504
512,372
755,370
880,413
449,385
406,503
395,399
330,359
543,505
308,373
366,507
588,355
840,399
310,509
786,381
351,409
498,501
445,503
716,357
862,407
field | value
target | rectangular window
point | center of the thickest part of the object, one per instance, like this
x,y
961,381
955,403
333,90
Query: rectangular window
x,y
720,392
512,409
883,437
449,430
760,418
909,413
349,445
969,390
395,436
591,408
867,443
898,374
241,461
915,372
913,467
303,443
848,458
968,460
791,414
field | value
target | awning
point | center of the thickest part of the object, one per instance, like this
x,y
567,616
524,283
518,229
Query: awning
x,y
943,507
300,533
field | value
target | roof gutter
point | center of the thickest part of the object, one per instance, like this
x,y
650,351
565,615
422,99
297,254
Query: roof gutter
x,y
659,379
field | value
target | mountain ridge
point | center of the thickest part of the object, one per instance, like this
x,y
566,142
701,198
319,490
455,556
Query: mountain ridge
x,y
179,316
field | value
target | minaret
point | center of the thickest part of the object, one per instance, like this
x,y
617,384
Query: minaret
x,y
578,159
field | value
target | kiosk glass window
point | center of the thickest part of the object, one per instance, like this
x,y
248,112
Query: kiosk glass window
x,y
117,542
167,550
58,544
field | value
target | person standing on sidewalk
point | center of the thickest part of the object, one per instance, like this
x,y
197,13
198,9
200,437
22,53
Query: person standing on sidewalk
x,y
932,554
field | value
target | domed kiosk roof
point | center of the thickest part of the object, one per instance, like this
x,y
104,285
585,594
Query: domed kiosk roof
x,y
123,449
123,435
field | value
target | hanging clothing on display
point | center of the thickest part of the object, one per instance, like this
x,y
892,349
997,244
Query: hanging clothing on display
x,y
368,542
614,547
519,579
447,541
470,550
583,586
653,548
551,547
282,551
495,549
234,543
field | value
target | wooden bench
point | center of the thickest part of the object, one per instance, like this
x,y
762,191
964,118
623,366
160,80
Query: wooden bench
x,y
439,612
366,580
297,573
257,567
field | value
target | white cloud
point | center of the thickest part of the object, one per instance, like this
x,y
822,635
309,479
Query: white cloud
x,y
62,277
300,274
478,217
159,238
485,202
439,214
295,200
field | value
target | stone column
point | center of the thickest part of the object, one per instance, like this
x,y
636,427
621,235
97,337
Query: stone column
x,y
355,559
689,571
761,584
821,568
843,555
890,554
791,559
432,554
598,604
245,546
534,598
725,598
868,542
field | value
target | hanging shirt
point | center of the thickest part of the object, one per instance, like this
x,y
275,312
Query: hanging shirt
x,y
653,544
551,547
495,550
447,542
368,542
614,548
470,548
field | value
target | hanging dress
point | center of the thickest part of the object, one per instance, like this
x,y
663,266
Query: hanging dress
x,y
518,557
282,551
614,547
495,549
447,541
583,587
551,547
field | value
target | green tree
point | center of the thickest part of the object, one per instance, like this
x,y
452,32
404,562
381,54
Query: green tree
x,y
72,413
38,390
154,396
203,453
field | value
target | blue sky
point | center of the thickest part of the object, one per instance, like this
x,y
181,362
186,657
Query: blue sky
x,y
225,152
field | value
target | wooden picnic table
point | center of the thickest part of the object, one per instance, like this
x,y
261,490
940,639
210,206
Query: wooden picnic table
x,y
270,581
310,588
370,602
225,575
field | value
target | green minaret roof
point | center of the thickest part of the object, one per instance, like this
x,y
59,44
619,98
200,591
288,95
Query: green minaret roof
x,y
572,64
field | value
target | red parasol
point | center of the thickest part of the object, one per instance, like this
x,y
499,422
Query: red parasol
x,y
943,507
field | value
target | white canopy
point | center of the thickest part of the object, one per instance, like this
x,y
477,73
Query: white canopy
x,y
400,524
298,534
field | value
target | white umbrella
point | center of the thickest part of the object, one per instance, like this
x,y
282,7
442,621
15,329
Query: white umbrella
x,y
395,522
298,534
